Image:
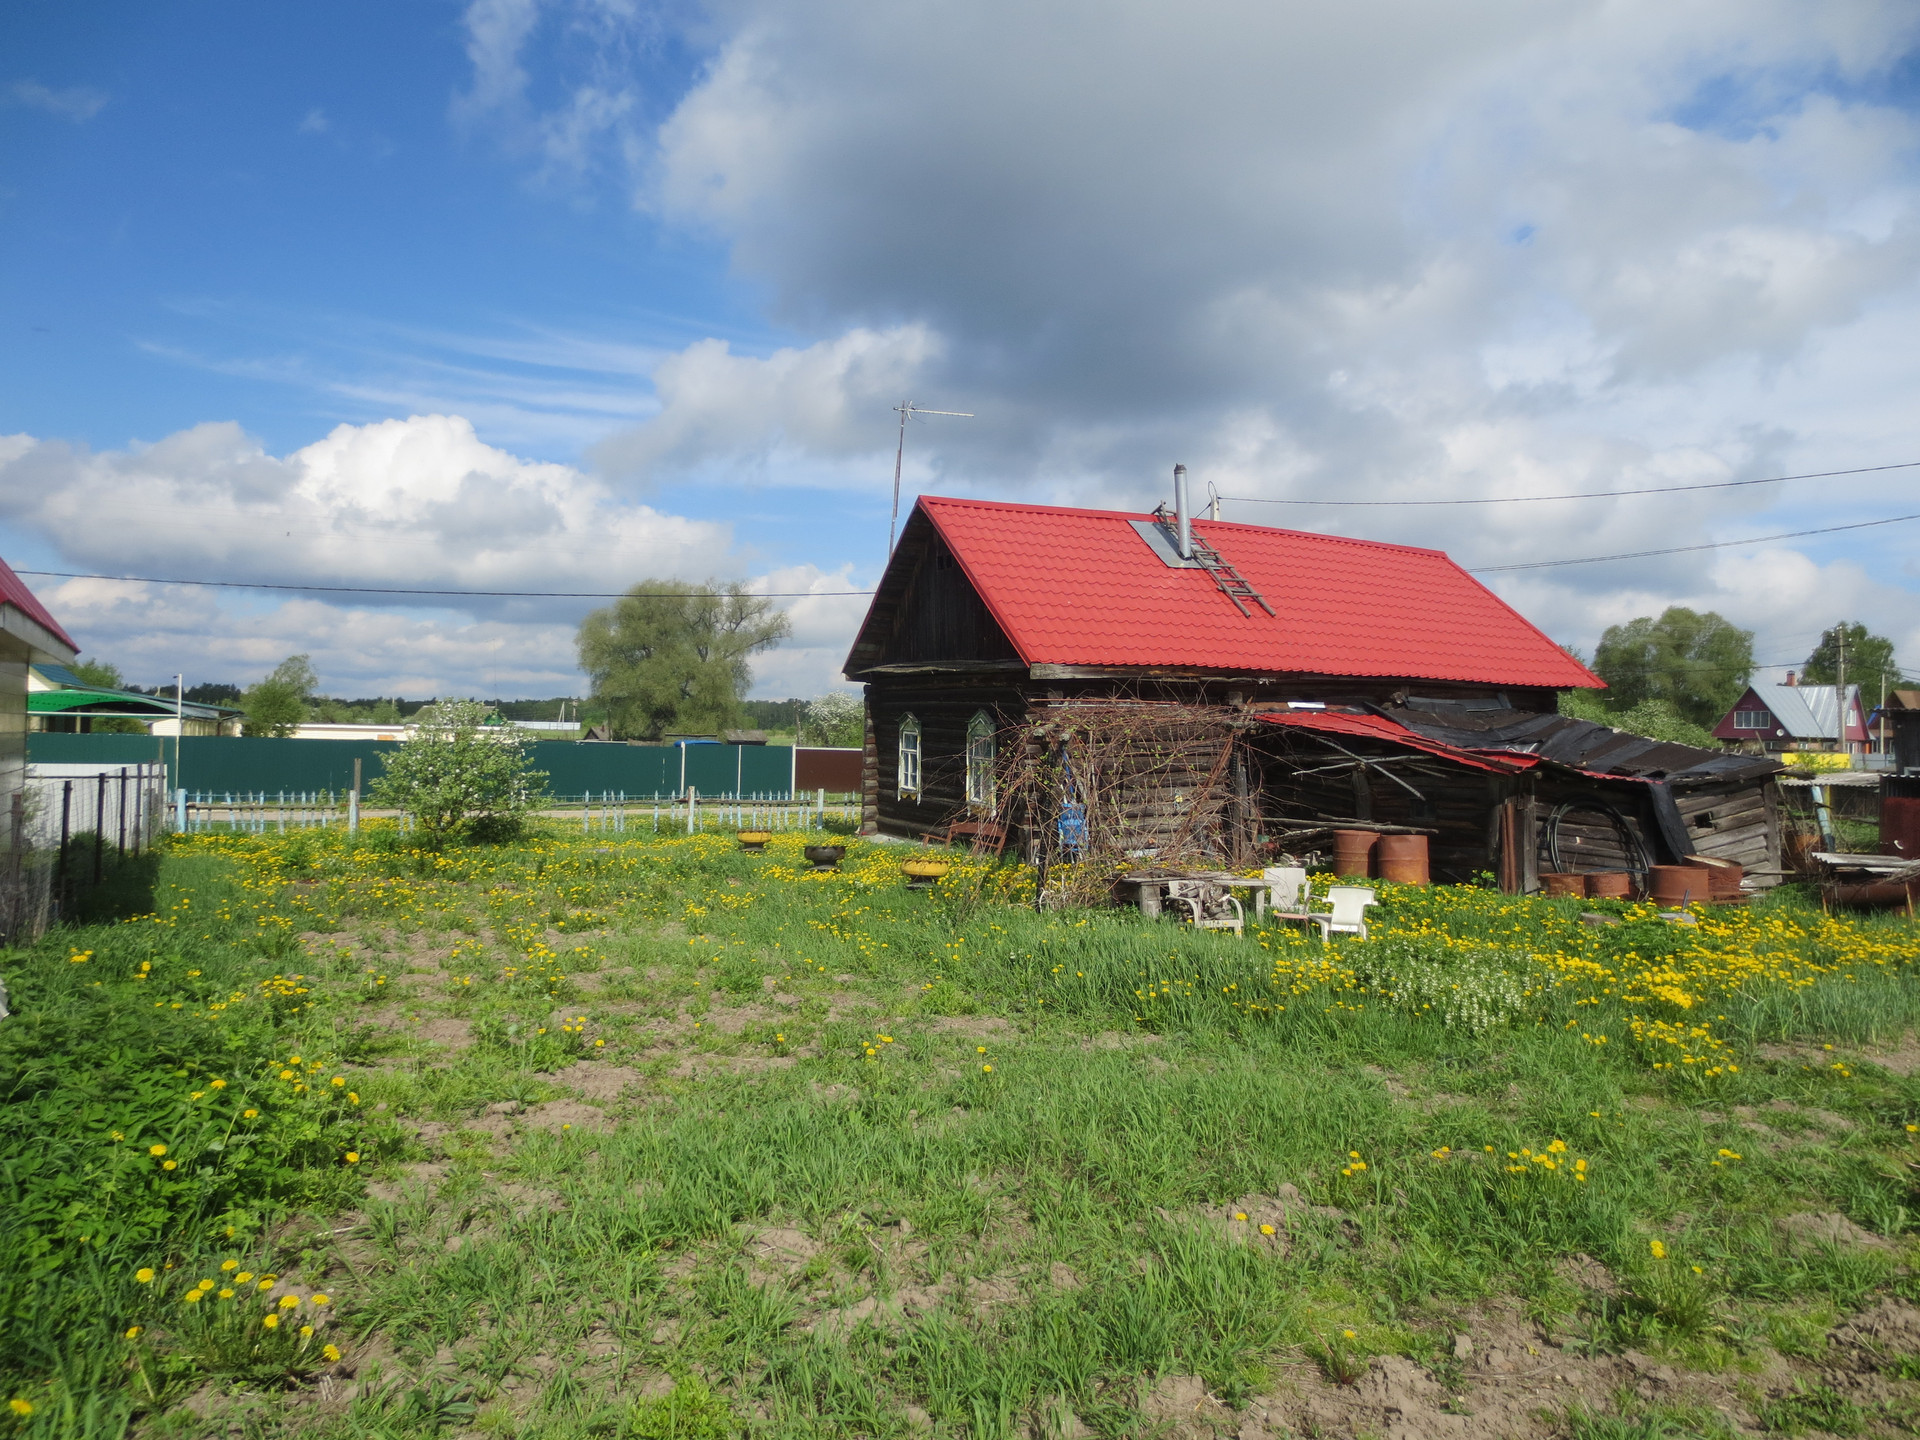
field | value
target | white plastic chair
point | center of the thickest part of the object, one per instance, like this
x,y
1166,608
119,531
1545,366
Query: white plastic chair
x,y
1290,897
1349,914
1208,907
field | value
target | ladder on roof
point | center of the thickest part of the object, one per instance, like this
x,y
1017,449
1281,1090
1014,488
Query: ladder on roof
x,y
1230,581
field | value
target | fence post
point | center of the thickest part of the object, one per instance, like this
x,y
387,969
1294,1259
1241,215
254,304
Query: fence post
x,y
123,810
13,921
353,800
99,827
66,815
180,815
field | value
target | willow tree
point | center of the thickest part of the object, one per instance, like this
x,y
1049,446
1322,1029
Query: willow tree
x,y
669,656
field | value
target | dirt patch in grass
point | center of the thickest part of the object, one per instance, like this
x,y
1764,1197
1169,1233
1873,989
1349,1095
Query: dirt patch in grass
x,y
566,1115
596,1080
1901,1059
1828,1227
778,1252
969,1027
694,1066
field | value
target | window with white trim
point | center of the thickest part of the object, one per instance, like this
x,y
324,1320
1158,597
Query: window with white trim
x,y
1751,719
980,760
907,782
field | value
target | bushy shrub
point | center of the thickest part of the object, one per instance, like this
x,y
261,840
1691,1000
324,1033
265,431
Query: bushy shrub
x,y
456,774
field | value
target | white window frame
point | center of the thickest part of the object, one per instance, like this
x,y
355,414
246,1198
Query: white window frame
x,y
1744,720
907,778
981,753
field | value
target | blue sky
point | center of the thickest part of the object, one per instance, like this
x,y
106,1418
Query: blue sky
x,y
601,290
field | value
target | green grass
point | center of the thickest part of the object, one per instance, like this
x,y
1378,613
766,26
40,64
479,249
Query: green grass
x,y
999,1149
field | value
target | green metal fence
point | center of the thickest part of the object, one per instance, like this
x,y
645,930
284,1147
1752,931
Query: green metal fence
x,y
262,766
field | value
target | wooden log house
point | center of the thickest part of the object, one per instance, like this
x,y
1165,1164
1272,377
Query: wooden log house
x,y
991,616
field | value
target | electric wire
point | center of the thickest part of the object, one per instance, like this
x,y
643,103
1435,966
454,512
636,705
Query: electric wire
x,y
1581,495
1687,549
458,594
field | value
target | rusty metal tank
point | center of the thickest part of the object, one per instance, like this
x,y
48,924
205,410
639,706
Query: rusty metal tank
x,y
1402,859
1610,884
1353,852
1680,884
1562,887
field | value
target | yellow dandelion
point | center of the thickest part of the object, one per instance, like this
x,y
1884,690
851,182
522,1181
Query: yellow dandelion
x,y
19,1406
156,1151
229,1264
133,1332
144,1274
169,1164
1659,1250
319,1298
332,1352
270,1321
1268,1230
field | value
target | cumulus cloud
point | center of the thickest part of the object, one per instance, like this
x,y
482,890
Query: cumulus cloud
x,y
717,408
420,503
77,103
1377,250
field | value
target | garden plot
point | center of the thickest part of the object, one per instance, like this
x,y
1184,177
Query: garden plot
x,y
657,1138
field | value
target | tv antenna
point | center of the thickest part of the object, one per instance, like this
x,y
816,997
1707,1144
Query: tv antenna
x,y
908,409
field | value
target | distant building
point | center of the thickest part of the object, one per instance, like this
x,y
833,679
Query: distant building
x,y
1793,717
29,636
60,702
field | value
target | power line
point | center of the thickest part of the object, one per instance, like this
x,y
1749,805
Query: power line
x,y
1585,494
460,594
1687,549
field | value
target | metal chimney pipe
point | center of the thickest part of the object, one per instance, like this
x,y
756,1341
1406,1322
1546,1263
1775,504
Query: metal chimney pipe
x,y
1182,516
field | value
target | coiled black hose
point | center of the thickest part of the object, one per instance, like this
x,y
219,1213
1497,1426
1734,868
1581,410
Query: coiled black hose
x,y
1639,862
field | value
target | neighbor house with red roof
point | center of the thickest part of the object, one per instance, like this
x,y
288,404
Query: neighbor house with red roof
x,y
988,612
28,636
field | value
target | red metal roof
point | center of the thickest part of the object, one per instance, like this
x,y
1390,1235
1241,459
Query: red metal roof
x,y
14,592
1081,587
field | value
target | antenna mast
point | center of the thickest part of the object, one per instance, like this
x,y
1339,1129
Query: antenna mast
x,y
908,408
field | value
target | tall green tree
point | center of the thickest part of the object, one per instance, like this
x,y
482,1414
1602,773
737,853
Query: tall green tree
x,y
1870,661
1698,663
278,703
98,672
672,656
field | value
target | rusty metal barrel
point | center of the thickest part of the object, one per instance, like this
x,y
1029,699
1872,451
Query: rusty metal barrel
x,y
1610,885
1403,859
1561,887
1723,879
1680,884
1353,852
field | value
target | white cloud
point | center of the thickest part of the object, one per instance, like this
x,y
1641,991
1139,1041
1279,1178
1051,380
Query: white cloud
x,y
798,406
315,122
421,504
77,103
1375,250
